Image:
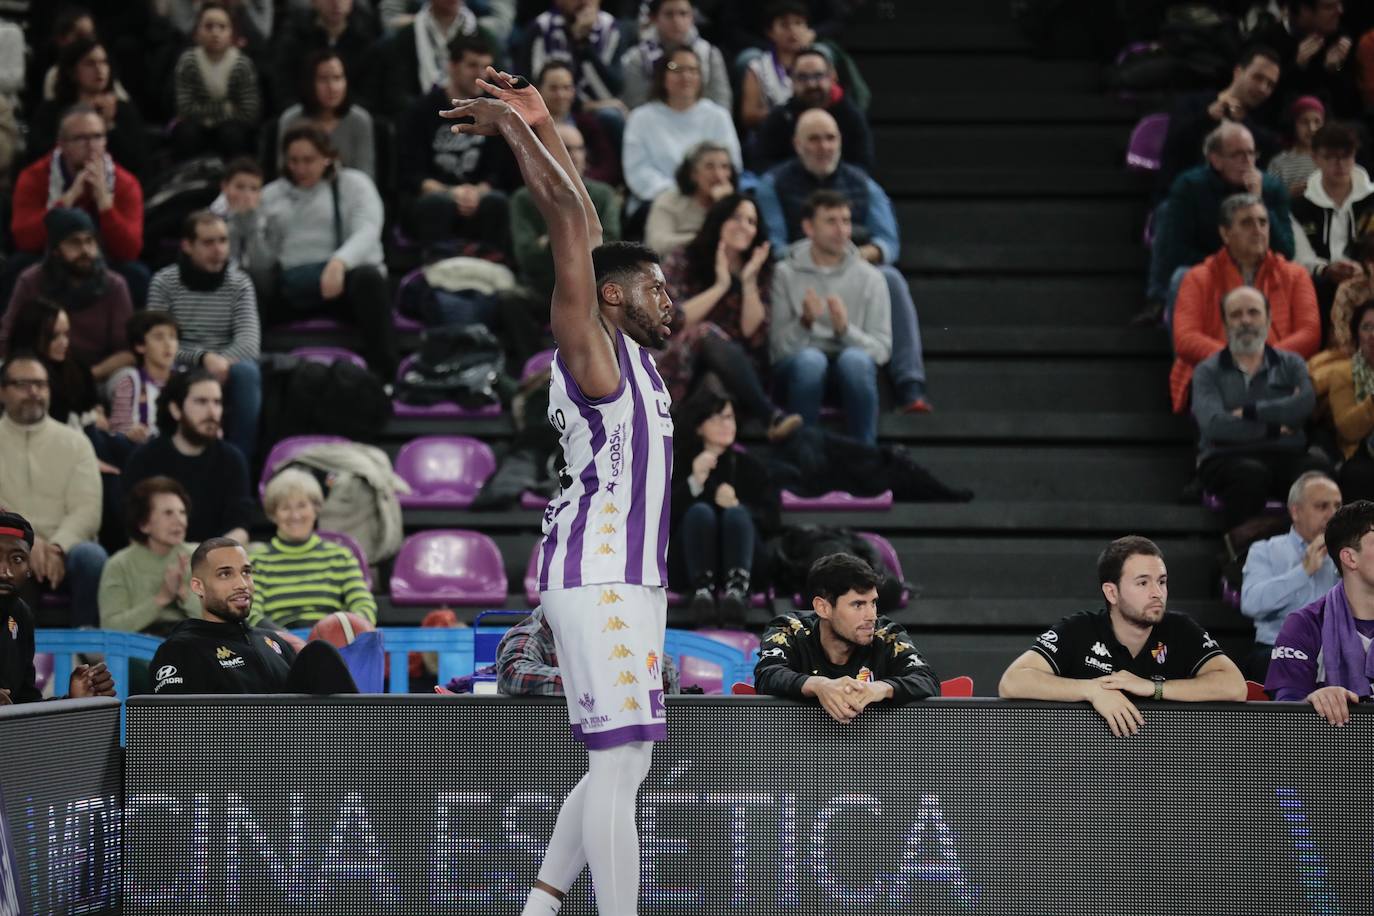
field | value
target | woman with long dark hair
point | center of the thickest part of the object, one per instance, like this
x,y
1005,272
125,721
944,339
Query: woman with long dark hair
x,y
84,76
327,102
43,327
724,505
720,285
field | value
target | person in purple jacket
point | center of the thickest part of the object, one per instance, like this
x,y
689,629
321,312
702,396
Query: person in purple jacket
x,y
1323,652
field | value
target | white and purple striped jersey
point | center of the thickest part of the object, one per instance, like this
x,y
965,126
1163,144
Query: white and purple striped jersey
x,y
610,522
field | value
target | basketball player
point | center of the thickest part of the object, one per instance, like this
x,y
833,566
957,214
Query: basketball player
x,y
603,561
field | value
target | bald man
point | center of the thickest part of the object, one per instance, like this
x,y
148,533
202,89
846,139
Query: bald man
x,y
818,165
1186,232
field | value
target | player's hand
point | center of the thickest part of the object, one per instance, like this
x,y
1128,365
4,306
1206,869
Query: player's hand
x,y
486,114
750,272
518,93
1127,682
726,497
1314,555
1333,703
91,681
1121,715
836,697
703,465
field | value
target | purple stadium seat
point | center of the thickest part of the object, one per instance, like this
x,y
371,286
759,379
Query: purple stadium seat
x,y
836,502
1147,143
449,567
1214,503
405,324
444,472
289,448
888,554
536,364
697,672
1230,594
446,409
347,540
327,355
532,500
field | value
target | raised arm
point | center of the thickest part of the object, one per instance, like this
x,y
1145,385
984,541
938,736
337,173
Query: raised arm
x,y
574,229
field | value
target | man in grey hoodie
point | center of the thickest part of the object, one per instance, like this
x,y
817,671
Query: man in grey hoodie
x,y
832,319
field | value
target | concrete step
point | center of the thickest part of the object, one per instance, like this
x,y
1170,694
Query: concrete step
x,y
1068,303
1014,106
1081,477
1034,223
986,74
1001,146
1019,341
1082,181
1026,259
1087,385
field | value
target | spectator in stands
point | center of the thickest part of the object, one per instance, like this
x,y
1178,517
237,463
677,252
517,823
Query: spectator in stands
x,y
18,680
1344,384
724,505
527,661
216,312
1322,652
1295,165
843,653
146,587
415,58
704,177
43,328
721,285
746,25
659,134
813,79
192,658
556,87
782,196
333,25
591,40
1197,114
1244,260
1290,570
1251,402
672,24
48,473
1187,233
80,174
831,320
155,339
240,195
325,101
1313,52
457,182
766,83
324,224
301,578
1133,647
1335,208
218,101
529,232
73,274
84,77
189,450
72,22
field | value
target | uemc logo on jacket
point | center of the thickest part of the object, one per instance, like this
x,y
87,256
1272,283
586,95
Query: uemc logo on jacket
x,y
227,658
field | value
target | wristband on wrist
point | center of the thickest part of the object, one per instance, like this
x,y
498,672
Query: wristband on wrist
x,y
1159,687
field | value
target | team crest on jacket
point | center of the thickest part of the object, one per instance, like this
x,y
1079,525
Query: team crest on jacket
x,y
13,626
864,675
1159,653
272,644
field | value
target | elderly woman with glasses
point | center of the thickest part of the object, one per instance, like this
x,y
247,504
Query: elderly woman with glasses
x,y
300,577
658,135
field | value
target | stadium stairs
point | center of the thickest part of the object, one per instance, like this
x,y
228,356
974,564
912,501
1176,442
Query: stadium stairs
x,y
1021,232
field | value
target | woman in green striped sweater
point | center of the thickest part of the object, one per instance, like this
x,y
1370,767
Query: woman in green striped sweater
x,y
299,577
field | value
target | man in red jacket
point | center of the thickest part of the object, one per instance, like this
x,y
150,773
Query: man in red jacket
x,y
80,173
1245,259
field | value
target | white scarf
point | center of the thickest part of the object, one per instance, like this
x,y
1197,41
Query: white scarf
x,y
431,42
215,74
57,182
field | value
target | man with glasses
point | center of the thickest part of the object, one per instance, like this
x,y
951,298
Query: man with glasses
x,y
49,474
1188,232
79,173
813,86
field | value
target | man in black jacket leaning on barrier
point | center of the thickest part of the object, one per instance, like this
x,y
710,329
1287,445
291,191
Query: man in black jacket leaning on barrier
x,y
223,654
843,654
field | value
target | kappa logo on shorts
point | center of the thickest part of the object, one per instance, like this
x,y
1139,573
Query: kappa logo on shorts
x,y
605,550
614,624
610,596
587,702
620,651
626,678
610,509
651,663
630,705
607,528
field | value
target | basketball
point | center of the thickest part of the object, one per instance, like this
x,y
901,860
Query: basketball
x,y
340,628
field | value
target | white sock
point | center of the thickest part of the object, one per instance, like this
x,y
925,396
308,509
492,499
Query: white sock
x,y
610,836
541,903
